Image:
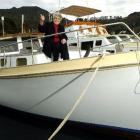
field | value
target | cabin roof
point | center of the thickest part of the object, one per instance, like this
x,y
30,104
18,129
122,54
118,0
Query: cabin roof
x,y
78,11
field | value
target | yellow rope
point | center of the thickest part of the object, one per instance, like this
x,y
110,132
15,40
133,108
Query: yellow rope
x,y
77,101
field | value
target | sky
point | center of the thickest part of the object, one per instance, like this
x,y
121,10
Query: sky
x,y
108,7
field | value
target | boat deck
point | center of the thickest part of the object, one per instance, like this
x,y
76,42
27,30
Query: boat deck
x,y
71,66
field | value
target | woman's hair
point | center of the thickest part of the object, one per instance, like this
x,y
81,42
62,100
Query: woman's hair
x,y
58,15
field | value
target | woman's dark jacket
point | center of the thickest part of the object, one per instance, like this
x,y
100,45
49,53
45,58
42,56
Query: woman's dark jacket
x,y
48,29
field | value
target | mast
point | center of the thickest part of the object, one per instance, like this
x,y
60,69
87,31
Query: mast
x,y
58,5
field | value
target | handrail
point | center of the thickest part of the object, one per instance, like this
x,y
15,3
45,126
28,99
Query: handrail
x,y
110,24
10,36
46,36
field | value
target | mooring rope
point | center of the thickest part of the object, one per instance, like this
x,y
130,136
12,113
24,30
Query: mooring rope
x,y
78,100
138,63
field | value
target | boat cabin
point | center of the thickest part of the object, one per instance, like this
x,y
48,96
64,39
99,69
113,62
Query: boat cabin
x,y
21,50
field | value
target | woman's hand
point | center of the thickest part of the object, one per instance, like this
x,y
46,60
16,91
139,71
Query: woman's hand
x,y
42,19
63,41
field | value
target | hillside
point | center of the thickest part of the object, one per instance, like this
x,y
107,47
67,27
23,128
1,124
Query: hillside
x,y
32,13
13,18
132,20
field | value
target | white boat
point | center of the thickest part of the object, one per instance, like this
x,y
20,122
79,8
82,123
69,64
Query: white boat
x,y
51,89
126,41
26,49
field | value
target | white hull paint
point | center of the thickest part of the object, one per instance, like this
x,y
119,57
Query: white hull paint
x,y
110,100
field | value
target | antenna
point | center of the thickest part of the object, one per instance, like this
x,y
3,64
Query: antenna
x,y
87,6
87,2
58,5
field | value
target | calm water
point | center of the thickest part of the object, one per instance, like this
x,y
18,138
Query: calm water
x,y
14,126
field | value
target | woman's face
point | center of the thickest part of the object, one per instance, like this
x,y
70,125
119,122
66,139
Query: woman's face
x,y
56,20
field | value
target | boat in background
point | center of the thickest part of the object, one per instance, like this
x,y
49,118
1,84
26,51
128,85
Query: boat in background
x,y
93,37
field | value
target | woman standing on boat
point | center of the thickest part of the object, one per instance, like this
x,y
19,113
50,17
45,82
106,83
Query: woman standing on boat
x,y
55,44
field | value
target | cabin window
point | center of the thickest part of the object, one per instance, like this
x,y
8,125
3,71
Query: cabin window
x,y
10,48
124,38
21,61
98,43
86,45
73,44
3,62
29,48
112,39
110,51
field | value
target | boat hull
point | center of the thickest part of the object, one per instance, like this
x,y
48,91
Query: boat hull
x,y
111,99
